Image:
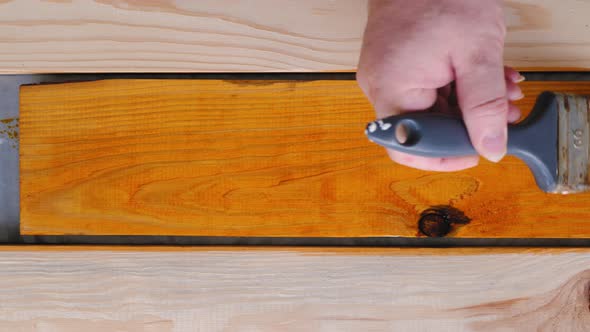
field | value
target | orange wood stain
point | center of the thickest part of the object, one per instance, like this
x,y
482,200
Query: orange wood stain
x,y
253,158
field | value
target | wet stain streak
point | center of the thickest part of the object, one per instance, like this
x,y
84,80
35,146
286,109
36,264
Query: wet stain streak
x,y
439,221
9,132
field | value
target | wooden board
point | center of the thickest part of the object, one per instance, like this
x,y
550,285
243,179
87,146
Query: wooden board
x,y
254,158
258,35
239,289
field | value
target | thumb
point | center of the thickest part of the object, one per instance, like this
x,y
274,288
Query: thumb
x,y
481,92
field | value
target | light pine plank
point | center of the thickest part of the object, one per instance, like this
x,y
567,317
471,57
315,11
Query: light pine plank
x,y
281,289
258,158
259,35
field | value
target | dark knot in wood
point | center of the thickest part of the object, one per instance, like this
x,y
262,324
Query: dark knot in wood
x,y
438,221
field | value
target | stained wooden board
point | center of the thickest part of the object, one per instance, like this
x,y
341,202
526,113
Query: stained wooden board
x,y
237,289
254,158
258,35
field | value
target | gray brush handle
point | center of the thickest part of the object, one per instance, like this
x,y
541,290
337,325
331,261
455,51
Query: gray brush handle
x,y
426,134
429,134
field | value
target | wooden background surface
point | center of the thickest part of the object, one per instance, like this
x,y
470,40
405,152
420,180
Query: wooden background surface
x,y
233,289
254,158
187,289
260,35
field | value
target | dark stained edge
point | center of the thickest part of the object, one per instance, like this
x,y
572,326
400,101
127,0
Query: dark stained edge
x,y
418,242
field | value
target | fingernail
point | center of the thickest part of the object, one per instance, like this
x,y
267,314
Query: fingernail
x,y
519,96
519,79
494,146
515,94
513,116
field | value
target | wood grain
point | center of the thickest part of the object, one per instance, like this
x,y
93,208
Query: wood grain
x,y
206,289
253,158
259,35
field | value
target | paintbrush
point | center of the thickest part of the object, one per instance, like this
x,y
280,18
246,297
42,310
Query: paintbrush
x,y
553,140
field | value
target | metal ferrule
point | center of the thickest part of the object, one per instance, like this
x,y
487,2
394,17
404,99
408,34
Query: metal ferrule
x,y
573,143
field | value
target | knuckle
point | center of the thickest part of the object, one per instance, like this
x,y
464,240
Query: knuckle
x,y
502,28
484,50
491,108
401,158
362,78
420,163
369,83
485,56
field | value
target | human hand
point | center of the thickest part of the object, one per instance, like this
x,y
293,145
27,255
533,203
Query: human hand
x,y
444,56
